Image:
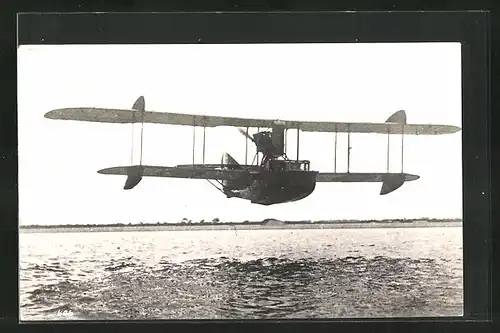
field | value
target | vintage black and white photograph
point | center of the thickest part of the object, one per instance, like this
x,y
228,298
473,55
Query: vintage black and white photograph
x,y
240,181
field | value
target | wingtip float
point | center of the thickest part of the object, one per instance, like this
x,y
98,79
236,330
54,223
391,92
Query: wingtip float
x,y
272,177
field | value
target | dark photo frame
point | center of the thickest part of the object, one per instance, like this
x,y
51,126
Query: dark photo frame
x,y
471,29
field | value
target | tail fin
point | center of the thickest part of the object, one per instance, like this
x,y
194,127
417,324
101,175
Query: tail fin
x,y
229,162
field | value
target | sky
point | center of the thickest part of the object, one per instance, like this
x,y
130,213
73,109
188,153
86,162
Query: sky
x,y
58,160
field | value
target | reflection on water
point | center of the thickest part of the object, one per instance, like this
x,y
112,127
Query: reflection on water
x,y
252,274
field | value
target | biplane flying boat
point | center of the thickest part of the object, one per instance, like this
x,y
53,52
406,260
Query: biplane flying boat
x,y
272,177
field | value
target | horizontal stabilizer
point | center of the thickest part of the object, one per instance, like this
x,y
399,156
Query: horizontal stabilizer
x,y
390,181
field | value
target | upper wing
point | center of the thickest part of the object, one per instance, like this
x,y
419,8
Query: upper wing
x,y
380,128
123,116
390,181
394,125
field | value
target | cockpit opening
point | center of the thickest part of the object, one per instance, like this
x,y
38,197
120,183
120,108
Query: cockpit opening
x,y
289,165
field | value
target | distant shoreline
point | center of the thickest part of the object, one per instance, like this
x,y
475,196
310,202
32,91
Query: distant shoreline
x,y
276,225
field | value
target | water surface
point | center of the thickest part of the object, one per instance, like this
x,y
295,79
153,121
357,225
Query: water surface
x,y
242,274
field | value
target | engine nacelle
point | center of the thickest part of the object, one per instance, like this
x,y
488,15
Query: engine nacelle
x,y
271,143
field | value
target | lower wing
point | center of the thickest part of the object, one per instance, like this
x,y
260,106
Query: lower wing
x,y
135,173
390,181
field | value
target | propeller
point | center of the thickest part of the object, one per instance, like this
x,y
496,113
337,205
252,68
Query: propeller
x,y
244,133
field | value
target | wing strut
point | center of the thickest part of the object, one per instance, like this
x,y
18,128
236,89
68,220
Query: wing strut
x,y
246,147
335,156
132,143
257,155
134,173
204,129
194,139
298,142
286,134
398,118
348,146
139,106
142,132
402,145
388,147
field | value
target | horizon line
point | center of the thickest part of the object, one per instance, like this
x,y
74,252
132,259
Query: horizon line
x,y
203,222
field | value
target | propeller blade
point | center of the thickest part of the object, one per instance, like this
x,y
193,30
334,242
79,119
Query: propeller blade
x,y
244,133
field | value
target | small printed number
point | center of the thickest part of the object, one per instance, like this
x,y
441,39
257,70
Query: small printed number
x,y
64,313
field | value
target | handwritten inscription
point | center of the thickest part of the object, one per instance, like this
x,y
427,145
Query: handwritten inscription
x,y
64,313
